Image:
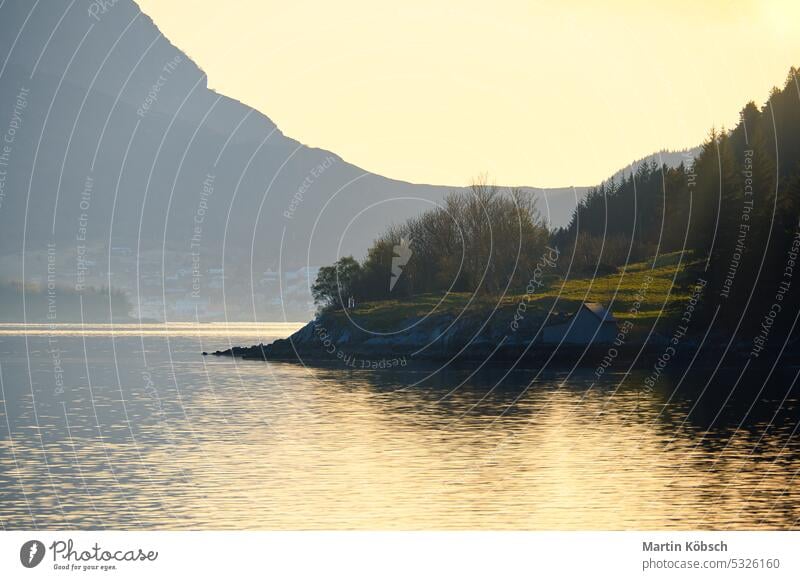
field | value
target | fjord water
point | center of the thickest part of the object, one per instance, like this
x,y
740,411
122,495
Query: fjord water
x,y
146,433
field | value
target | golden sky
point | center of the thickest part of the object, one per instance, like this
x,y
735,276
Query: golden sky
x,y
547,94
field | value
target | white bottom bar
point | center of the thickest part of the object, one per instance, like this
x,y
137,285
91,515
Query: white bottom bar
x,y
406,555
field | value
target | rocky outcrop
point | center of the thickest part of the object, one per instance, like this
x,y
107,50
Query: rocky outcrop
x,y
503,335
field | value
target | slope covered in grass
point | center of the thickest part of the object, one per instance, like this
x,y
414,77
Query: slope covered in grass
x,y
645,292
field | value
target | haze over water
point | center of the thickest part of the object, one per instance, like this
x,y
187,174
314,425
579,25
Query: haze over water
x,y
149,434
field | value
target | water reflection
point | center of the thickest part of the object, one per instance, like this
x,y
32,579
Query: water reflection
x,y
159,437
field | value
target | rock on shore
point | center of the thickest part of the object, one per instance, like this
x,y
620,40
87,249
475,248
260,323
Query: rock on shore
x,y
440,336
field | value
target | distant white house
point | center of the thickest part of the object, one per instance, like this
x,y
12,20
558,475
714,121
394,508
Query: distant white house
x,y
591,324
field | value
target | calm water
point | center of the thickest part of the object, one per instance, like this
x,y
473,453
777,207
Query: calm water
x,y
133,428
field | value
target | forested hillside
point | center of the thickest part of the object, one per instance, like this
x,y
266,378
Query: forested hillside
x,y
729,216
735,208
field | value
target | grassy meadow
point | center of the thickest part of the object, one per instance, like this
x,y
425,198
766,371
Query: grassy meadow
x,y
644,292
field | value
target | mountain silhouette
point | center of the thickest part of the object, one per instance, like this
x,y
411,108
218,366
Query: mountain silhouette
x,y
132,169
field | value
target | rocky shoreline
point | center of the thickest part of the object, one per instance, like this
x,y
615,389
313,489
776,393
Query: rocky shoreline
x,y
449,338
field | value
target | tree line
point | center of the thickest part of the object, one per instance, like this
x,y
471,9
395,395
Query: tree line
x,y
486,240
735,207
